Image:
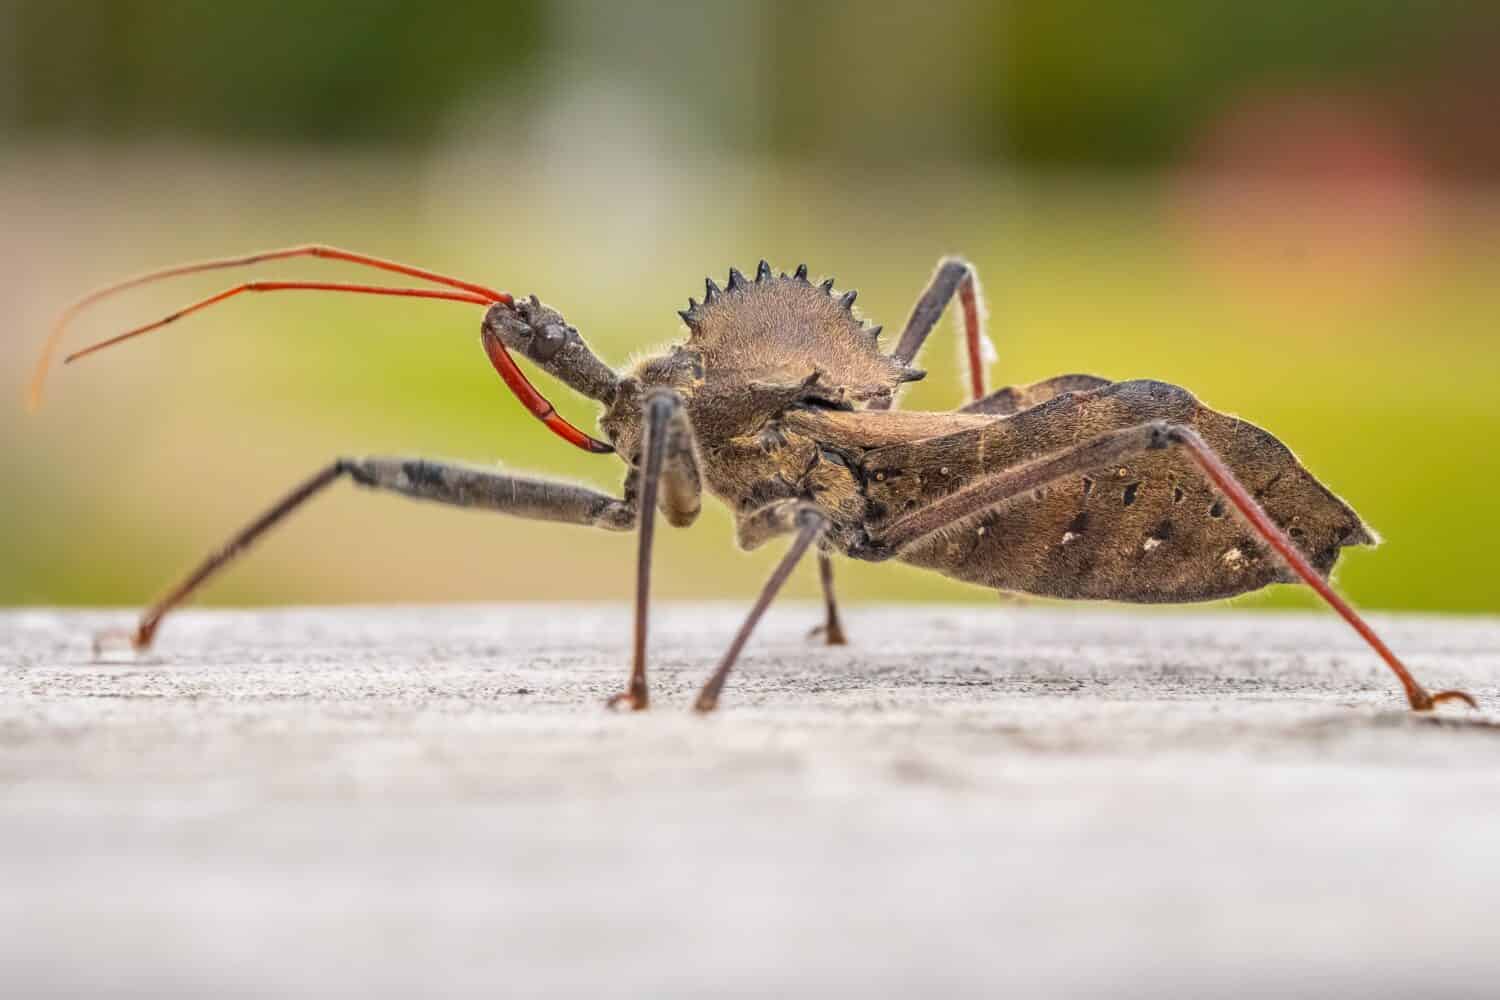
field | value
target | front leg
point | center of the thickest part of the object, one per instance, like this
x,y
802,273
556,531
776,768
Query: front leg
x,y
443,482
668,478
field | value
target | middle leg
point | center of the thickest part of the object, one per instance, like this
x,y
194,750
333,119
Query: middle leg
x,y
809,523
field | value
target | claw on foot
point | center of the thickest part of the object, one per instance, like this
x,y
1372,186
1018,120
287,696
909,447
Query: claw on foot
x,y
706,703
1424,702
628,701
1462,696
833,635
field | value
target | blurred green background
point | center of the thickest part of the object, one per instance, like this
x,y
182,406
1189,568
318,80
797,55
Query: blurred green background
x,y
1291,208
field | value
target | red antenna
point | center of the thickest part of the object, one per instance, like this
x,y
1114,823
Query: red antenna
x,y
519,384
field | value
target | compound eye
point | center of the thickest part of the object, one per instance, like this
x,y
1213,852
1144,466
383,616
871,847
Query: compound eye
x,y
547,341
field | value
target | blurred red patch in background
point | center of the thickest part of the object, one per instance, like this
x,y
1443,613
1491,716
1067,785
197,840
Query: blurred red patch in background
x,y
1305,196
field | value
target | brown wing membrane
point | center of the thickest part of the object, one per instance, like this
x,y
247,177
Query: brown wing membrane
x,y
1150,531
1015,398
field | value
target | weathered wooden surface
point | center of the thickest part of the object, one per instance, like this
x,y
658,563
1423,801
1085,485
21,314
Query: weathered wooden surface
x,y
413,801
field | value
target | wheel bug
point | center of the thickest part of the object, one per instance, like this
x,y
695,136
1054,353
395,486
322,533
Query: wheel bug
x,y
780,403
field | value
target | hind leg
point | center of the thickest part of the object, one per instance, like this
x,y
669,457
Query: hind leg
x,y
954,276
1110,449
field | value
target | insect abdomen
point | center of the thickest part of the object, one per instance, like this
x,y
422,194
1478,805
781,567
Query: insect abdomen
x,y
1148,530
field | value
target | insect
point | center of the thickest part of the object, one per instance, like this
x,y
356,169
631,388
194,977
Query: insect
x,y
780,401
